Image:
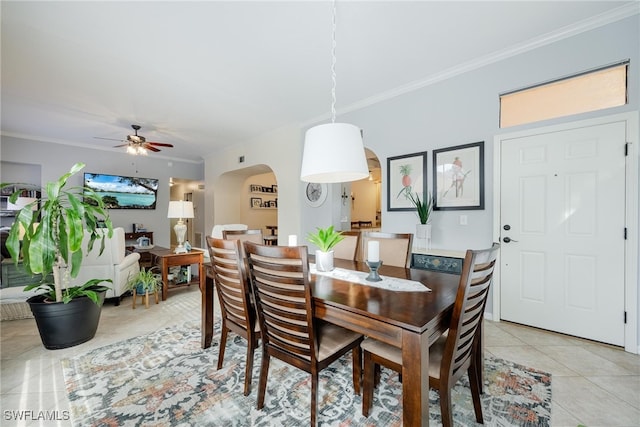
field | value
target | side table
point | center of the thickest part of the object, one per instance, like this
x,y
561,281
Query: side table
x,y
167,258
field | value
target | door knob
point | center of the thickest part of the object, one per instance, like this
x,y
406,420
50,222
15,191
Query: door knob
x,y
508,239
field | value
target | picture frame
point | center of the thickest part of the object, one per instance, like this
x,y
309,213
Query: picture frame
x,y
458,177
406,174
274,188
255,188
256,202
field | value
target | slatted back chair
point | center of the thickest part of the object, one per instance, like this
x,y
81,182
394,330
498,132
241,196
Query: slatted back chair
x,y
348,247
453,353
254,236
395,248
234,295
280,280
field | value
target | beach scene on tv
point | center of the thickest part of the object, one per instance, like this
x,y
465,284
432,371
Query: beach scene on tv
x,y
123,192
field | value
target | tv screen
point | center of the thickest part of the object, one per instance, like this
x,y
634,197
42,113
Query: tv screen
x,y
123,192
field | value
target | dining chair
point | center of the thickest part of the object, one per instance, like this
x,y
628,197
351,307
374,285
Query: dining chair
x,y
244,235
395,248
348,246
280,282
234,295
454,352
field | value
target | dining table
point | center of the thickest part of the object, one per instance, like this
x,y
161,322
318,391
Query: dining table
x,y
409,320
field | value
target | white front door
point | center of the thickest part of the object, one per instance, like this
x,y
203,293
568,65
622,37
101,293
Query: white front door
x,y
562,220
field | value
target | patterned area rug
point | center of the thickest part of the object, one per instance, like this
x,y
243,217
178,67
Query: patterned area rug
x,y
166,379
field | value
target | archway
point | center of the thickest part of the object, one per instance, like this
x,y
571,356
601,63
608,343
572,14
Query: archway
x,y
364,197
247,196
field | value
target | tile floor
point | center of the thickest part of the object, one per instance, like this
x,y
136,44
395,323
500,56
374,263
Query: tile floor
x,y
592,384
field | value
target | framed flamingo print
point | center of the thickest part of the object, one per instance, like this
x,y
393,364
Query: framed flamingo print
x,y
458,177
406,175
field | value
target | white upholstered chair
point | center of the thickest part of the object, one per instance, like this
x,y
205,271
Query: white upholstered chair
x,y
113,263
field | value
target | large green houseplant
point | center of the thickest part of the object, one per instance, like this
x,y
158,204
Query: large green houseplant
x,y
325,239
47,236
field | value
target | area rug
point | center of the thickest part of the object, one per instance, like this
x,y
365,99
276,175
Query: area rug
x,y
166,379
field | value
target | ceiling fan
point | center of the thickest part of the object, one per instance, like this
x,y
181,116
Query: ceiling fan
x,y
137,144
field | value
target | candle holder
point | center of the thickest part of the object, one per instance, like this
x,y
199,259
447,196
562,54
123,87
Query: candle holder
x,y
373,273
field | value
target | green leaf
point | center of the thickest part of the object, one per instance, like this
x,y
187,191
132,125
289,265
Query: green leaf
x,y
325,239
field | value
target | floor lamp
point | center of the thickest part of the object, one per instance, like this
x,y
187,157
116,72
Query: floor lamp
x,y
180,209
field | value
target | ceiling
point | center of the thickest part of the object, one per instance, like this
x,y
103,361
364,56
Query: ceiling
x,y
207,75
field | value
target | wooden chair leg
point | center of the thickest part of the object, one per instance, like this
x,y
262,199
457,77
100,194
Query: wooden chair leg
x,y
251,346
445,406
223,343
367,383
262,385
314,399
474,382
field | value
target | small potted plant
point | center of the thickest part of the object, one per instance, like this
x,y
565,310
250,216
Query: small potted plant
x,y
423,210
325,239
144,283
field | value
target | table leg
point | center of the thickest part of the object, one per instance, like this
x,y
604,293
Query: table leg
x,y
165,280
415,382
206,286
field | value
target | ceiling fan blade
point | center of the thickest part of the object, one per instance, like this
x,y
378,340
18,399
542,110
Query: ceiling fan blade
x,y
121,145
108,139
150,147
160,144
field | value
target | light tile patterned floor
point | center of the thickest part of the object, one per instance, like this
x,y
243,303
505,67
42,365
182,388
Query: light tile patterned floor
x,y
593,384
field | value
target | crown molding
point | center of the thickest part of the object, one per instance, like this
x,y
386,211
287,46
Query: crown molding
x,y
594,22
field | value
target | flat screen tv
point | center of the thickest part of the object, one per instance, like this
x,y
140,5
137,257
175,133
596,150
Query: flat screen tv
x,y
123,192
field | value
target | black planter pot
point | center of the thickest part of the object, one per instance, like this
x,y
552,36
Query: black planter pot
x,y
65,325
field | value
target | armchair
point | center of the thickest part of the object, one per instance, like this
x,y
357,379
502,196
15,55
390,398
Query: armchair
x,y
113,263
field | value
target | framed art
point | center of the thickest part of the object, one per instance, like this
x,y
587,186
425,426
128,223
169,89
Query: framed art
x,y
256,202
406,175
458,177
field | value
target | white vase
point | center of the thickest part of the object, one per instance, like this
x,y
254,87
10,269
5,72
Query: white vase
x,y
423,236
324,260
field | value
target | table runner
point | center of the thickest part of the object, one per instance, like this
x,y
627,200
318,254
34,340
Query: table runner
x,y
389,283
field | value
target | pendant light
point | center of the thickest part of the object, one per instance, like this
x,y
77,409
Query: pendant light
x,y
333,152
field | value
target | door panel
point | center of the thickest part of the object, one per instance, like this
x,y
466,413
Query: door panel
x,y
563,198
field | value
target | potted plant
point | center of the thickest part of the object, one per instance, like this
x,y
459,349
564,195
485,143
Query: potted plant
x,y
48,236
325,239
423,210
144,283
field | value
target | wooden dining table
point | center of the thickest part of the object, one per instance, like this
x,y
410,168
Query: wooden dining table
x,y
411,321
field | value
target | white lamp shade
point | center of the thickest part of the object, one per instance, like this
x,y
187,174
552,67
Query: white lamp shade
x,y
21,202
180,209
333,152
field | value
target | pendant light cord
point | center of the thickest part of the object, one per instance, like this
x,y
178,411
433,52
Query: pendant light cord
x,y
333,65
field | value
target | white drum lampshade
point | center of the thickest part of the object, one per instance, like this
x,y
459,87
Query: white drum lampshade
x,y
333,152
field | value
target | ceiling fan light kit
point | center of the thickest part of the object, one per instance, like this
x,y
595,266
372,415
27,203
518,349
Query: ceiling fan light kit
x,y
137,144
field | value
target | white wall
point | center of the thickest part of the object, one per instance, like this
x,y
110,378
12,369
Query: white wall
x,y
459,110
57,159
280,152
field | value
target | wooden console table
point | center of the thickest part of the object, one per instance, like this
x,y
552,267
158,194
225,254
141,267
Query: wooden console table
x,y
438,260
167,258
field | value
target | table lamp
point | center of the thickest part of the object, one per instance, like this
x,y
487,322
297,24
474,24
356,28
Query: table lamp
x,y
180,209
